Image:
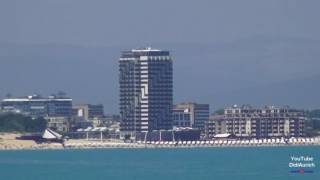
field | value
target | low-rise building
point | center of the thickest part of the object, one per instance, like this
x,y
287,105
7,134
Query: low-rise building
x,y
215,125
60,124
88,111
192,115
248,122
38,106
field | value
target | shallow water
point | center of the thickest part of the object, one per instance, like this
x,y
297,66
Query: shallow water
x,y
263,163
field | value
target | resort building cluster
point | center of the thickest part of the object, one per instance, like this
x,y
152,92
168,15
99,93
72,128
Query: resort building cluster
x,y
249,122
147,112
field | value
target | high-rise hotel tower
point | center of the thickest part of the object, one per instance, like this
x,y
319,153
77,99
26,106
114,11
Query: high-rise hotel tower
x,y
145,90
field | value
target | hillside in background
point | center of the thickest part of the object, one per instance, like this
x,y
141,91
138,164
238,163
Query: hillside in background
x,y
258,71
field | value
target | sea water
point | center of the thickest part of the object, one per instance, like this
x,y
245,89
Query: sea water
x,y
247,163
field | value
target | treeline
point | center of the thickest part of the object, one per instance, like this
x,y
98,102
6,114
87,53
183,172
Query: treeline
x,y
313,113
19,123
313,122
314,118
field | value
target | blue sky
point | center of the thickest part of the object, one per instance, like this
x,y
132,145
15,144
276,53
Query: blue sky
x,y
226,52
118,22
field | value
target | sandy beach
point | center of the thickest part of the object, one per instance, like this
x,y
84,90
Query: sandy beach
x,y
8,141
83,144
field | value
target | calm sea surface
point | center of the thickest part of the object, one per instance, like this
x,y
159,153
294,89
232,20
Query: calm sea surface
x,y
266,163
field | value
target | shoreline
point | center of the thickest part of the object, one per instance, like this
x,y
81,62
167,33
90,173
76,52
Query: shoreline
x,y
60,147
15,145
102,145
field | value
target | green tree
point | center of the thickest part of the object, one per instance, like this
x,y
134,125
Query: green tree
x,y
219,112
19,123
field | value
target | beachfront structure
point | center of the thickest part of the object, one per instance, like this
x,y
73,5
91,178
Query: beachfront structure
x,y
146,91
37,106
215,125
191,115
248,122
174,135
60,124
88,111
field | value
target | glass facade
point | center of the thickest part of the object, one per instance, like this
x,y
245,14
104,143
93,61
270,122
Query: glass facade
x,y
36,106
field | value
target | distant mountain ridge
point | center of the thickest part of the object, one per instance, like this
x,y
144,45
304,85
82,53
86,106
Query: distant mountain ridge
x,y
259,71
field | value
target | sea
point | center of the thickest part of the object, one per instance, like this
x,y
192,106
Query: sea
x,y
243,163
